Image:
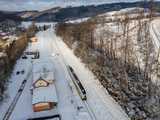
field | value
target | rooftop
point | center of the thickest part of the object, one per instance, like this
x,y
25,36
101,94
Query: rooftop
x,y
48,76
45,94
2,54
42,66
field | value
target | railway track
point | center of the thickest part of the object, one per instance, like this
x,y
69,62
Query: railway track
x,y
14,102
90,111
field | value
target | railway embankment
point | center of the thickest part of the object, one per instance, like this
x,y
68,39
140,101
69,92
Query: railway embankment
x,y
130,88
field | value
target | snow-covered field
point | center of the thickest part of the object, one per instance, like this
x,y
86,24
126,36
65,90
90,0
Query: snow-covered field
x,y
78,20
99,104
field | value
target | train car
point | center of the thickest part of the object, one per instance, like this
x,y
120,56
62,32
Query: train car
x,y
77,83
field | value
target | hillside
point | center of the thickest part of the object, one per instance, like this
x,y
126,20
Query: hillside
x,y
59,14
70,13
122,56
9,15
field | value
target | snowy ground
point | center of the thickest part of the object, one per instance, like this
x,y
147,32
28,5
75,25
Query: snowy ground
x,y
78,20
99,105
155,32
23,109
14,84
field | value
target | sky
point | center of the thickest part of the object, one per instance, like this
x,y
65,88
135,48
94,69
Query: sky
x,y
19,5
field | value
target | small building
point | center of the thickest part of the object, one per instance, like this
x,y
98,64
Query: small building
x,y
44,98
40,83
43,79
33,39
5,38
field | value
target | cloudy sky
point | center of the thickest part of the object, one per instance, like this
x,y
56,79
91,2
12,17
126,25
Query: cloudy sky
x,y
18,5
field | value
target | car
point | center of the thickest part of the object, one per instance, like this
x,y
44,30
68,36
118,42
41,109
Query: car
x,y
36,55
24,57
17,73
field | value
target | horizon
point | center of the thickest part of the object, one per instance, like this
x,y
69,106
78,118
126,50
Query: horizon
x,y
40,5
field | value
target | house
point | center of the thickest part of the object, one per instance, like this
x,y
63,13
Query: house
x,y
40,83
43,79
44,96
33,39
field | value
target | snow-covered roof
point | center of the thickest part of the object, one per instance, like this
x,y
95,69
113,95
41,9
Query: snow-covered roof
x,y
42,66
3,33
44,94
78,20
45,76
5,37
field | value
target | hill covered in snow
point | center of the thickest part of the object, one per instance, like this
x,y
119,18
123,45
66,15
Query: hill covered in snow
x,y
61,14
70,13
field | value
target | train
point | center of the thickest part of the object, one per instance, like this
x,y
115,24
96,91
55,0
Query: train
x,y
77,83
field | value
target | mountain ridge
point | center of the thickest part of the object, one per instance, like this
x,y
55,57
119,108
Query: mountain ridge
x,y
58,14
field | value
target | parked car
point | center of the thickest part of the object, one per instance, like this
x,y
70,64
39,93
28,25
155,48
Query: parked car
x,y
36,55
17,73
24,57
